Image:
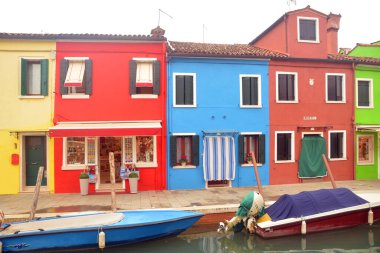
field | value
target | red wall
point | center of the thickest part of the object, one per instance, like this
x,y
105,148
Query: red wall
x,y
111,101
290,117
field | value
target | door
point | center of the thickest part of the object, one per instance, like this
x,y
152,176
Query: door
x,y
35,157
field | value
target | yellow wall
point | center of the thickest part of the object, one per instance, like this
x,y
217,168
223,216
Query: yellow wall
x,y
20,115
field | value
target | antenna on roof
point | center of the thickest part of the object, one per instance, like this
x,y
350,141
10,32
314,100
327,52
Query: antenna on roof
x,y
289,2
203,35
159,15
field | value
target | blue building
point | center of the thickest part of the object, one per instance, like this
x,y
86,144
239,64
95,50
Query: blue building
x,y
217,114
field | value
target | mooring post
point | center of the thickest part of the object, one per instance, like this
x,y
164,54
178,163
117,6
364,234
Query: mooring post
x,y
329,170
36,193
112,177
257,174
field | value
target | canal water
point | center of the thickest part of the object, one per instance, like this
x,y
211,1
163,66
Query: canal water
x,y
358,239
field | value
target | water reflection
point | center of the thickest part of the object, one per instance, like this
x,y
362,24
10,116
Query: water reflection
x,y
358,239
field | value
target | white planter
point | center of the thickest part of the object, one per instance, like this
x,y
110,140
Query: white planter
x,y
133,184
83,186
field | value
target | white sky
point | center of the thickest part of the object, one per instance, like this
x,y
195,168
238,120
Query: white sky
x,y
225,21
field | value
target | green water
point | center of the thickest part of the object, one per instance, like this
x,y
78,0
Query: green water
x,y
359,239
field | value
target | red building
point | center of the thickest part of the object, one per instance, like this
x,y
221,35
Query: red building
x,y
311,95
110,96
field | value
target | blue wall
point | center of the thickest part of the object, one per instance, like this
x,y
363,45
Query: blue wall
x,y
217,109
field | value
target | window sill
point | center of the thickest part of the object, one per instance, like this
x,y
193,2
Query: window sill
x,y
184,106
185,167
335,102
309,41
365,107
285,161
250,164
144,96
31,97
82,96
365,163
287,102
250,106
146,165
338,159
74,167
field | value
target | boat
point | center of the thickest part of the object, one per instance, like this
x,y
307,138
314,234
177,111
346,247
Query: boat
x,y
85,231
316,211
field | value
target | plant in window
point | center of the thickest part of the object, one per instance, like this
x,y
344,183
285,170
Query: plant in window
x,y
183,160
249,158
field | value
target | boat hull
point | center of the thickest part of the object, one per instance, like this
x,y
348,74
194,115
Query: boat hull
x,y
120,233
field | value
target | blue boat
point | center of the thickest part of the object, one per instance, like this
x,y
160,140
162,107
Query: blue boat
x,y
94,230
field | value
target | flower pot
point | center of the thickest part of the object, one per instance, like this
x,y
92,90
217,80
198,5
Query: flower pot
x,y
249,162
133,185
183,163
83,186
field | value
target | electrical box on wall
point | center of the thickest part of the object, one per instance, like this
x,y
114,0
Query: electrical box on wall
x,y
15,159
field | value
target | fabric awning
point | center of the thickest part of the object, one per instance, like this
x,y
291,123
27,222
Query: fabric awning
x,y
72,129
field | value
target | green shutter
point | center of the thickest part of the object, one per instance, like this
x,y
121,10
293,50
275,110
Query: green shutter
x,y
24,76
132,76
156,77
88,77
64,66
195,143
173,150
261,149
44,77
241,149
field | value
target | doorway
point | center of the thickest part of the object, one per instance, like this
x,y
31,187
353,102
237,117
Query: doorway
x,y
107,145
35,157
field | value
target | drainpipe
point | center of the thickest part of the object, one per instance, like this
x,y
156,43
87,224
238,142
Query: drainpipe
x,y
353,117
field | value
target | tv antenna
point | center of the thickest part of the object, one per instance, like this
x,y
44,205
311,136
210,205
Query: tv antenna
x,y
289,2
159,15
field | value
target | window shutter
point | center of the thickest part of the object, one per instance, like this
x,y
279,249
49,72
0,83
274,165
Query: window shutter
x,y
288,138
254,91
246,91
282,87
261,151
24,76
64,66
340,144
339,88
290,87
189,96
44,77
156,77
179,90
132,76
173,150
363,93
331,86
195,143
88,77
241,149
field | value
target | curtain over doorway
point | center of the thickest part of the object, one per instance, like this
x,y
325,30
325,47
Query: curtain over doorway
x,y
311,163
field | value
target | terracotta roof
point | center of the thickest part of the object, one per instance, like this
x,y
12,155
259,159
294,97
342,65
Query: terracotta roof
x,y
176,48
83,36
354,59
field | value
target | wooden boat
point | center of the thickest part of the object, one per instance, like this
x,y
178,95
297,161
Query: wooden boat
x,y
94,230
334,214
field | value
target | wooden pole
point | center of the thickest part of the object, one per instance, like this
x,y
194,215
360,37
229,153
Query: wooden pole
x,y
112,177
257,174
36,193
329,171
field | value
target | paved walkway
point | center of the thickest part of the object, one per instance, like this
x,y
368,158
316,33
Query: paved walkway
x,y
215,200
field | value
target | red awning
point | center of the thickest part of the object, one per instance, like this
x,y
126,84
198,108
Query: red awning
x,y
73,129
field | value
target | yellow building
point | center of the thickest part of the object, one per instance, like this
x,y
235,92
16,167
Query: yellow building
x,y
27,76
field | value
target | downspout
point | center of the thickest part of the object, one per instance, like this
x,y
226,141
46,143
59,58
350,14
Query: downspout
x,y
353,118
164,121
286,34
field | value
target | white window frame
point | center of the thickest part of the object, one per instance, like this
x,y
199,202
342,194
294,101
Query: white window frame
x,y
20,71
316,30
184,135
259,104
66,166
343,88
370,83
71,95
248,134
140,164
295,87
292,148
371,150
194,75
344,145
309,133
141,60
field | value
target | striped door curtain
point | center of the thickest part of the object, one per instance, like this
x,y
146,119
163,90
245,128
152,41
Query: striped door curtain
x,y
219,158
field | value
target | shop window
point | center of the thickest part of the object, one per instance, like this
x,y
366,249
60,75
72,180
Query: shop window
x,y
79,152
34,77
365,149
184,150
337,145
284,146
76,77
144,77
251,143
140,150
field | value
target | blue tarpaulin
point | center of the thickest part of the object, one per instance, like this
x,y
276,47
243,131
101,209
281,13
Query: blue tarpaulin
x,y
312,202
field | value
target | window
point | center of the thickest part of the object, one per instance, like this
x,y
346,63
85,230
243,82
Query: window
x,y
140,150
184,148
184,90
76,77
79,152
251,143
335,88
144,76
284,146
308,29
250,91
365,149
34,77
337,145
364,93
287,87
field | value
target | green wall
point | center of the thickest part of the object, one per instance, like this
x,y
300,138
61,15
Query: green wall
x,y
366,51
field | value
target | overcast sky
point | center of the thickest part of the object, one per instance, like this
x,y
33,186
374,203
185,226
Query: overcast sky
x,y
213,21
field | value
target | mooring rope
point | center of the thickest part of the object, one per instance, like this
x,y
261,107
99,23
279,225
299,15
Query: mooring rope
x,y
2,217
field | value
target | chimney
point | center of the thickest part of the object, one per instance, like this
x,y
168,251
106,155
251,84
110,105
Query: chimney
x,y
157,32
333,21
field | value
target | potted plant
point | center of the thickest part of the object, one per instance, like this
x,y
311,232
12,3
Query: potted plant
x,y
83,181
133,177
183,161
249,158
